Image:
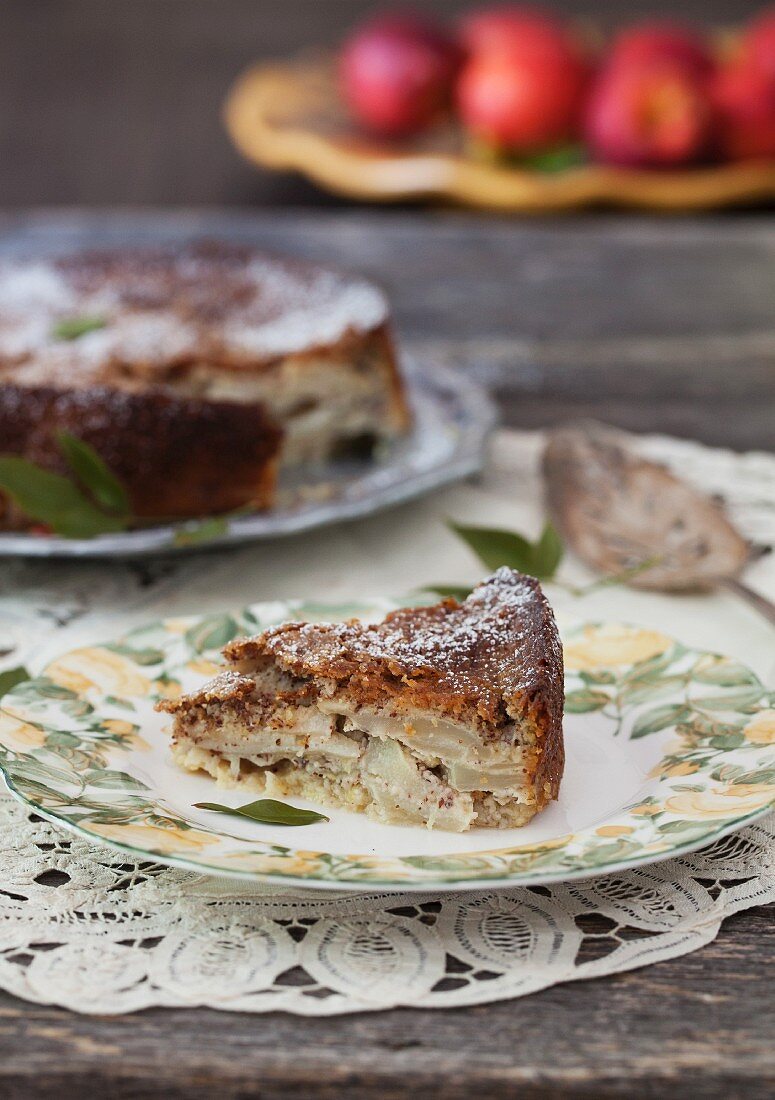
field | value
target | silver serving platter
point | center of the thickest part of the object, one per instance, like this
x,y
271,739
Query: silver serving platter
x,y
452,419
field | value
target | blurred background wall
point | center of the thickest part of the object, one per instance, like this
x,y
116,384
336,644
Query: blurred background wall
x,y
118,101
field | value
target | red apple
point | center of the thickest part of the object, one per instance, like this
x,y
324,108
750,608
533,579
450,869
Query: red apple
x,y
758,46
522,86
396,73
648,116
744,100
515,29
661,41
519,104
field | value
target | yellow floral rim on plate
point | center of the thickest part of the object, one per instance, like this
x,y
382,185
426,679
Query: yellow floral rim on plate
x,y
287,116
690,734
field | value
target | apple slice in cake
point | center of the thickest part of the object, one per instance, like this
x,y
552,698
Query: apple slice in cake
x,y
448,716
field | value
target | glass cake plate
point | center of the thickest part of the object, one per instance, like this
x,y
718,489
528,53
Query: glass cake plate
x,y
452,418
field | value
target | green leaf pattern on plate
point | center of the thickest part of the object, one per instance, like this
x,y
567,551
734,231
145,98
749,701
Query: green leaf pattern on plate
x,y
72,744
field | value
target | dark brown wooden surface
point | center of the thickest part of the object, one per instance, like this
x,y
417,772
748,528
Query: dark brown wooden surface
x,y
654,325
657,325
700,1026
105,102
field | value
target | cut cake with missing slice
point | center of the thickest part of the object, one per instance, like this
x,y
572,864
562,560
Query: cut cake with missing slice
x,y
449,715
196,371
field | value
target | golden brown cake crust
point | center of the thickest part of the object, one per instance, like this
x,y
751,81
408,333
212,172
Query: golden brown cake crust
x,y
492,659
177,456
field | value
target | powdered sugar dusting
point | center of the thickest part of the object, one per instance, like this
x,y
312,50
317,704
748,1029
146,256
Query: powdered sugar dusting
x,y
30,295
483,657
297,311
160,308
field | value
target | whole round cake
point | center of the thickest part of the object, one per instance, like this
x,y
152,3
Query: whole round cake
x,y
193,371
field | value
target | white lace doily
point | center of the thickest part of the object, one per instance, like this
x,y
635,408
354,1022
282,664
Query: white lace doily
x,y
84,927
88,928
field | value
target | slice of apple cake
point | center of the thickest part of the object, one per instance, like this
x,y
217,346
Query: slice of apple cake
x,y
448,716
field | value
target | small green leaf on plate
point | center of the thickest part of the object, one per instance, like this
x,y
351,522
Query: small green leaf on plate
x,y
71,328
94,474
49,498
11,677
267,811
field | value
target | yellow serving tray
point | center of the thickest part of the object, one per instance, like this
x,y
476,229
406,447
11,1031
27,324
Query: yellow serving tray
x,y
288,116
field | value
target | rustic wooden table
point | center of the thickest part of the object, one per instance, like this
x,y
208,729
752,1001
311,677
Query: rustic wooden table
x,y
653,325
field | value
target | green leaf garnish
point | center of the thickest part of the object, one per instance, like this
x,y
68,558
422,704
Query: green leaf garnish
x,y
267,811
94,474
557,160
457,591
52,499
495,547
549,551
70,328
60,502
11,677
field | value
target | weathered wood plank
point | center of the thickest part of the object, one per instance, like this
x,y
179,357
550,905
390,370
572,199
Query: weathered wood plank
x,y
700,1025
653,325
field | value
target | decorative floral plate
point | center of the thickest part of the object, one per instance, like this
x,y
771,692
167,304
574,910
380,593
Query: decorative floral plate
x,y
288,115
453,417
667,748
